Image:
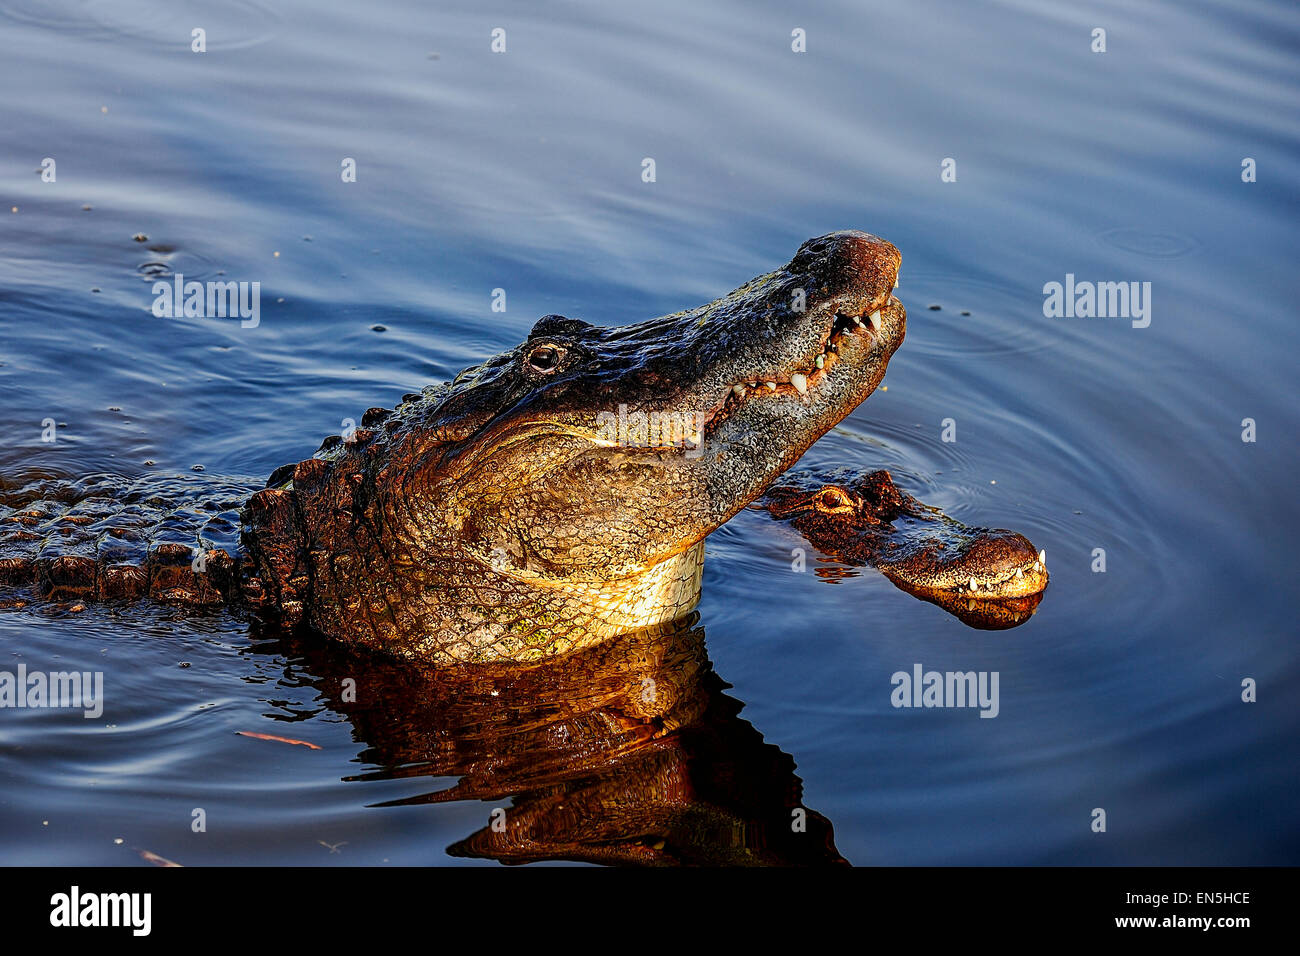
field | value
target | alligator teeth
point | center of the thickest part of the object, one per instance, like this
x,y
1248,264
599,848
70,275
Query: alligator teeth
x,y
800,383
857,320
739,390
1020,572
974,586
820,361
771,385
1042,557
875,320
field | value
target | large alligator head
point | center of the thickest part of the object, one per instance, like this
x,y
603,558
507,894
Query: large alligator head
x,y
561,491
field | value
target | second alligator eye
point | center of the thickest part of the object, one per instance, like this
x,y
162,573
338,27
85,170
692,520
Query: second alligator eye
x,y
833,499
545,358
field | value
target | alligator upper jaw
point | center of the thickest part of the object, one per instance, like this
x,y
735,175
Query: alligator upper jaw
x,y
969,572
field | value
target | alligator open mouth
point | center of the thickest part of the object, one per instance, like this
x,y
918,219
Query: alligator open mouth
x,y
866,325
1025,579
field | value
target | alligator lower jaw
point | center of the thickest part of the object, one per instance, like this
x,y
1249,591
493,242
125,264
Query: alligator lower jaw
x,y
1023,581
810,374
984,615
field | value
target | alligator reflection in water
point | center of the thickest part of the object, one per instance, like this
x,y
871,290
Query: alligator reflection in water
x,y
627,752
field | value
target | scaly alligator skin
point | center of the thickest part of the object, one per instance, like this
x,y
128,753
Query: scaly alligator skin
x,y
499,517
988,577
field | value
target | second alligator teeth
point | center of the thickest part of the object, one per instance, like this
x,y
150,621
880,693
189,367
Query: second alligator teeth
x,y
800,383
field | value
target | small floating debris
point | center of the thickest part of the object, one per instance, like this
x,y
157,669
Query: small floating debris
x,y
87,207
282,740
155,859
935,307
196,468
275,255
379,328
965,311
150,462
140,237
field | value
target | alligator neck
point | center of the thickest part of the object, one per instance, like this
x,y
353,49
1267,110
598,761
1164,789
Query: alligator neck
x,y
324,549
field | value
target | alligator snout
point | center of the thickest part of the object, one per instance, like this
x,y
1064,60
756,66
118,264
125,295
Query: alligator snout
x,y
850,263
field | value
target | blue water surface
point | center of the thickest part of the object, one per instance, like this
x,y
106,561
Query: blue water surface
x,y
522,171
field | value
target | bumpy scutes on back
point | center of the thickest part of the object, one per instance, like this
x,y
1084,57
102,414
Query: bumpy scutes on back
x,y
108,537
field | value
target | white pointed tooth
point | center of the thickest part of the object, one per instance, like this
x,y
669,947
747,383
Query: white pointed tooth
x,y
974,585
800,383
875,320
1020,572
739,390
821,361
771,385
857,320
1042,557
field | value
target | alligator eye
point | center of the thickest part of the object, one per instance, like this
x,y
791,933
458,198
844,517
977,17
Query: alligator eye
x,y
545,358
833,499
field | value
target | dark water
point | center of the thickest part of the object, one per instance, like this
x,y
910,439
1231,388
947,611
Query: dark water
x,y
522,171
